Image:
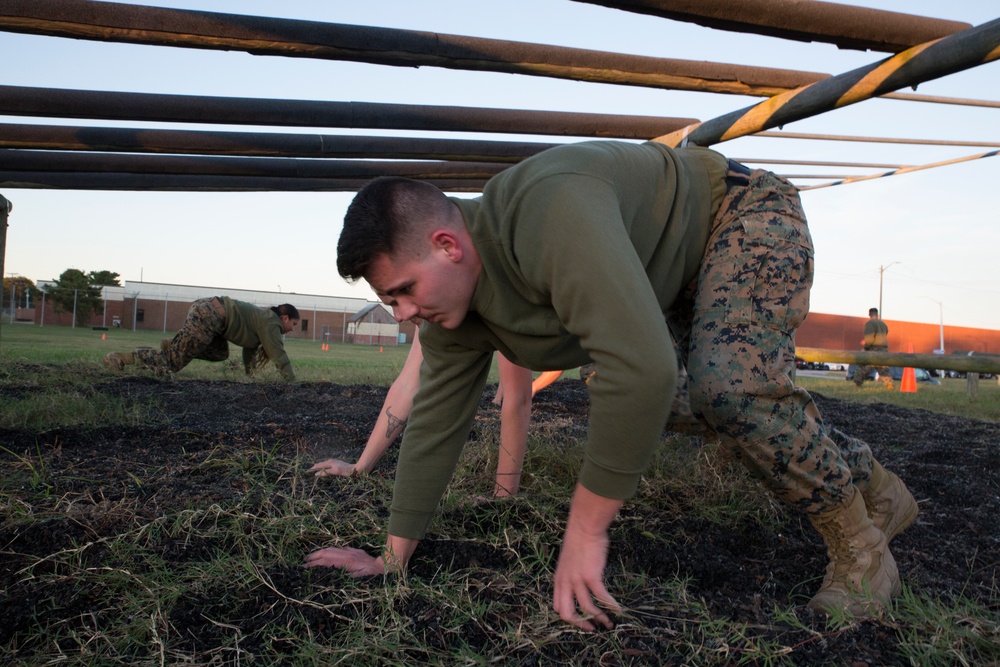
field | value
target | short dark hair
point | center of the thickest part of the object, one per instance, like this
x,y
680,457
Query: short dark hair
x,y
872,311
385,215
286,309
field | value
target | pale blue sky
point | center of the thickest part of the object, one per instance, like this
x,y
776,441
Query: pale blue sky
x,y
937,228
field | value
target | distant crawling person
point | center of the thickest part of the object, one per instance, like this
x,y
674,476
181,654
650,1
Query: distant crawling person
x,y
210,326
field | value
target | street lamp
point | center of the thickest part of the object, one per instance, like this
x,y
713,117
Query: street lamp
x,y
881,270
941,313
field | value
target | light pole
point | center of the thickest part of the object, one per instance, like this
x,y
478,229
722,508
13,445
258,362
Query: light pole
x,y
941,313
881,270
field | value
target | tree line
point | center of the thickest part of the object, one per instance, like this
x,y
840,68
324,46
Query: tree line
x,y
72,291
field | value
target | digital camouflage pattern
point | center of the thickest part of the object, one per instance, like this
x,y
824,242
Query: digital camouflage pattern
x,y
734,328
201,337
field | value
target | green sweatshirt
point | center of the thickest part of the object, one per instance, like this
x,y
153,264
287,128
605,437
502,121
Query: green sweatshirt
x,y
251,327
584,247
876,335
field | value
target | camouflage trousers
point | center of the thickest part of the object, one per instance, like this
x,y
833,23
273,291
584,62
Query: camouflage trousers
x,y
734,328
200,337
861,372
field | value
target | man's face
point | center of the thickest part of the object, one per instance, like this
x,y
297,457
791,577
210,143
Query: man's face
x,y
432,288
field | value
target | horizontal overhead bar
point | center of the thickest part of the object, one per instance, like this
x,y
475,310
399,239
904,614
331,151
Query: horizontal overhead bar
x,y
212,183
815,176
278,144
820,163
109,21
123,171
877,140
846,26
948,55
62,161
258,35
264,144
62,103
937,99
902,170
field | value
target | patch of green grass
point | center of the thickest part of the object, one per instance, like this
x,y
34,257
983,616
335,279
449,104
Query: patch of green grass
x,y
947,398
32,353
61,355
51,408
938,633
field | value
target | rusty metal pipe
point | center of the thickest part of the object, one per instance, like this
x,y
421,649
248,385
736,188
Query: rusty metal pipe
x,y
60,103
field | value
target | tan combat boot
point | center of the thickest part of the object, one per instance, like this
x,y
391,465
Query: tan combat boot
x,y
117,361
890,504
862,575
164,345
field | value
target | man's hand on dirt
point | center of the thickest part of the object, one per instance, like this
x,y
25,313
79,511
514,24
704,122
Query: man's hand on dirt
x,y
579,578
579,582
333,468
356,562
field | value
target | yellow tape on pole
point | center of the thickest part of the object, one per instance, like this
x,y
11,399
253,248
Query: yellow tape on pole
x,y
923,62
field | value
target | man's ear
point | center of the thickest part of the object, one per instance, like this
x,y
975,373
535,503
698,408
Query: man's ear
x,y
447,242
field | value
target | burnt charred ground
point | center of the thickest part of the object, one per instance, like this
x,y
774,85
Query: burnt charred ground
x,y
177,538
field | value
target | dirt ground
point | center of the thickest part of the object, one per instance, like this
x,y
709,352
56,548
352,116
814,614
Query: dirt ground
x,y
951,464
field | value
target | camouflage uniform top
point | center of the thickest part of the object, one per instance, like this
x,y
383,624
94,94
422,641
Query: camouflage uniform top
x,y
250,327
876,334
584,247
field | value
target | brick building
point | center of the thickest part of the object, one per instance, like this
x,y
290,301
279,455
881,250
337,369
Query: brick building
x,y
842,332
163,307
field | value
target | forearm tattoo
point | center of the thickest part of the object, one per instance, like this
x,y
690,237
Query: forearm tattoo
x,y
394,425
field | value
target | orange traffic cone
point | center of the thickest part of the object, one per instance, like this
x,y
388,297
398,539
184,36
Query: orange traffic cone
x,y
909,383
379,348
104,336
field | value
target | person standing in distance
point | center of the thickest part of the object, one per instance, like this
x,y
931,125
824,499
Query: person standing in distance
x,y
876,339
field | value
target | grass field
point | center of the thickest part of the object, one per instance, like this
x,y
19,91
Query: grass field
x,y
360,364
100,568
344,364
950,397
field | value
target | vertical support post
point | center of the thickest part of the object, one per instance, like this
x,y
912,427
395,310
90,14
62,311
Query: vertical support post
x,y
972,385
5,208
941,312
